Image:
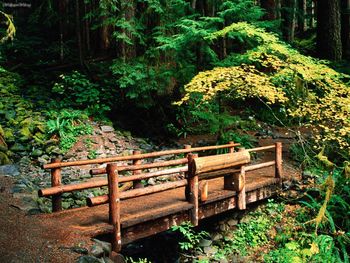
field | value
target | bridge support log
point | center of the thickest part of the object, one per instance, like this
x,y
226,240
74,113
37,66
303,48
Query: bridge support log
x,y
192,189
114,206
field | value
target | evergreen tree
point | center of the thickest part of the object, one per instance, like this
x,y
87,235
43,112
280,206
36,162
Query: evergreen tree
x,y
329,44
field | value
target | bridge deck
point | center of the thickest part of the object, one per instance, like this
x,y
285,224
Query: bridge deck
x,y
147,215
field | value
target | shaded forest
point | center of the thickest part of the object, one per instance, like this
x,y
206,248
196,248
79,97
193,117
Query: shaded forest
x,y
164,70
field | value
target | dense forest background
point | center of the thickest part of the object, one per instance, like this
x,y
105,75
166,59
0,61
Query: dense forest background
x,y
175,68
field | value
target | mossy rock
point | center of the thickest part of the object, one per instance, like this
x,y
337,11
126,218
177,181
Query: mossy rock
x,y
17,147
4,159
3,147
25,134
37,153
8,134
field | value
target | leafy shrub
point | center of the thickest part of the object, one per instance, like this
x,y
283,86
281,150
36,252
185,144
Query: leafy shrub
x,y
76,90
190,236
272,73
67,125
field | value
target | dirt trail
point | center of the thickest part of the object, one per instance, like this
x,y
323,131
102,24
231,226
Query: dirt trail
x,y
25,239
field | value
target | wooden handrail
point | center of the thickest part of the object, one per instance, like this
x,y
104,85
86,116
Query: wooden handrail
x,y
137,156
103,182
103,199
141,166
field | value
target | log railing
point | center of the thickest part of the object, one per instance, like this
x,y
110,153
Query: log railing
x,y
57,189
234,164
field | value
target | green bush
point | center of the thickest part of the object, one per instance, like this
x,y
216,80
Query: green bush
x,y
76,90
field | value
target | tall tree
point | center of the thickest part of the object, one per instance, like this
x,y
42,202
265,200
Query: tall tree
x,y
345,26
271,8
289,19
329,44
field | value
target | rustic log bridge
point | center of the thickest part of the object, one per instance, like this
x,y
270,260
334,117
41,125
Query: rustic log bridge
x,y
212,185
57,189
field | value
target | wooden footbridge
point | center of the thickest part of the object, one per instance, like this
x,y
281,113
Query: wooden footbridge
x,y
196,188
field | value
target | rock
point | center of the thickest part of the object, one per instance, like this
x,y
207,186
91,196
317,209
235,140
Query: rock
x,y
97,250
9,170
42,160
205,242
106,128
107,247
88,259
25,134
224,227
210,250
79,250
37,153
107,260
217,237
4,159
223,260
232,222
113,139
17,147
151,181
308,174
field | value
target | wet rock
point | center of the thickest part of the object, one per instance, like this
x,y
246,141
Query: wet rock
x,y
97,250
106,128
9,170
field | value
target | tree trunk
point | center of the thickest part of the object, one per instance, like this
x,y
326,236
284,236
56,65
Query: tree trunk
x,y
128,50
78,31
271,9
345,27
62,5
289,19
302,25
104,35
329,44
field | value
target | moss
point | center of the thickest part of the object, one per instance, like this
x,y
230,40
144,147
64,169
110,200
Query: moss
x,y
4,159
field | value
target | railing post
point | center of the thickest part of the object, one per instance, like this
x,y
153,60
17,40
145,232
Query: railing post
x,y
231,149
187,146
114,206
230,179
56,181
240,189
278,159
192,195
137,183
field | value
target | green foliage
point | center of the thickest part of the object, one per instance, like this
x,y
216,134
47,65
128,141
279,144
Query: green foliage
x,y
273,74
190,236
76,90
139,260
140,81
10,30
67,125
